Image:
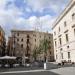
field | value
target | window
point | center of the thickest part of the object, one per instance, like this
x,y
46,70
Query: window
x,y
49,42
68,55
54,33
56,50
14,42
22,39
35,40
49,37
73,16
67,46
34,35
27,36
65,24
27,40
60,41
21,45
61,49
59,29
74,32
62,55
67,38
50,52
56,57
49,47
17,39
55,43
40,36
17,34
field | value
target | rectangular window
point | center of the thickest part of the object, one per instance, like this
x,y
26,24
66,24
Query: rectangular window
x,y
62,55
74,32
59,29
54,33
21,45
17,39
17,34
50,52
73,16
68,55
27,40
22,39
55,43
65,24
49,37
35,40
40,36
60,41
67,38
56,56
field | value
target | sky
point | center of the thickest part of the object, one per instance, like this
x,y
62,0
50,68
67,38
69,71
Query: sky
x,y
30,14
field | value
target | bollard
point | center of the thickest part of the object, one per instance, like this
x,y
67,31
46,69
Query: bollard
x,y
45,66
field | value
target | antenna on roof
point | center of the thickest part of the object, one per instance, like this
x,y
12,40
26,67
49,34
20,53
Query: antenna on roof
x,y
38,26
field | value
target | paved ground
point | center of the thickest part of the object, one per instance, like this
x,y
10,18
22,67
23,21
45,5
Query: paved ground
x,y
64,71
19,69
58,71
36,72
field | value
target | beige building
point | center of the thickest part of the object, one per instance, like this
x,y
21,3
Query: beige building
x,y
64,34
2,42
22,43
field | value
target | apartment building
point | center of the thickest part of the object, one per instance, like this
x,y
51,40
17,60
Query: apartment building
x,y
2,42
23,43
64,34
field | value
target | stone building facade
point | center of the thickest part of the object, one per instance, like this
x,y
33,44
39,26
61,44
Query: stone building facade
x,y
22,43
64,35
2,42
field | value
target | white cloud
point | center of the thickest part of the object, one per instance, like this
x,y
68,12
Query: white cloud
x,y
46,22
40,5
12,18
43,22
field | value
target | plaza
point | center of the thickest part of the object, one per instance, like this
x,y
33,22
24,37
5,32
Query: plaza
x,y
32,42
57,71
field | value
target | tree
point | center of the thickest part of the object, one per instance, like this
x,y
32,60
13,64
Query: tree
x,y
45,47
36,52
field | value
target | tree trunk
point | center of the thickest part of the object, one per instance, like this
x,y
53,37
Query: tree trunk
x,y
45,57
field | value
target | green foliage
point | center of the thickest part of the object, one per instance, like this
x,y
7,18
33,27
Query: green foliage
x,y
36,51
43,47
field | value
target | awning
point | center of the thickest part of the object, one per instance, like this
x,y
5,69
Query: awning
x,y
7,57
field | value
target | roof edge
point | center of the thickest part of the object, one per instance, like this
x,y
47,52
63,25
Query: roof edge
x,y
64,12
